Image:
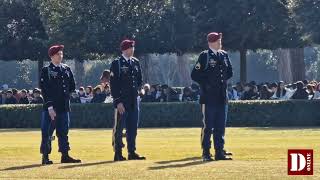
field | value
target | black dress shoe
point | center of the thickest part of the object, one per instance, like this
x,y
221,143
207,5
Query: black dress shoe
x,y
227,153
206,158
68,159
118,157
206,155
135,156
221,156
45,160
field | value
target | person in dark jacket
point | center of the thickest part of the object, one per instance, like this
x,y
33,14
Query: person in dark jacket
x,y
57,83
23,97
301,92
10,99
211,72
125,83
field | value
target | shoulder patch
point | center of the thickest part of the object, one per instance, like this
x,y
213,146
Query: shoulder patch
x,y
198,66
134,58
222,51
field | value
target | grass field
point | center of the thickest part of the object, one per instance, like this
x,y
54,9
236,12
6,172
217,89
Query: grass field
x,y
259,153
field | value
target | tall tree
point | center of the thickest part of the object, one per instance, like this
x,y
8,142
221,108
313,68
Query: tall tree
x,y
22,34
246,24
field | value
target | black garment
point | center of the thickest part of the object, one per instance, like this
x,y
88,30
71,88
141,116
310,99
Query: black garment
x,y
99,98
300,94
38,100
75,100
149,97
56,84
186,98
11,100
212,72
125,81
24,100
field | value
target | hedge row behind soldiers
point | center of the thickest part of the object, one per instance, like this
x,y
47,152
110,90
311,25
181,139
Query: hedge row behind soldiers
x,y
211,72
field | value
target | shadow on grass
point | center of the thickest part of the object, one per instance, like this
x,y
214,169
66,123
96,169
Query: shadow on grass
x,y
22,167
18,130
85,164
281,128
179,160
194,162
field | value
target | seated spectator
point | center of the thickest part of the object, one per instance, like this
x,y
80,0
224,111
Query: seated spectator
x,y
24,97
255,93
232,93
301,92
149,94
74,98
105,78
81,92
265,93
317,92
310,90
9,98
98,96
37,98
196,91
89,91
282,92
1,97
239,89
15,94
159,92
248,92
273,87
187,95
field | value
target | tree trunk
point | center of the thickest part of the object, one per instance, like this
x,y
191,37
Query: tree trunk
x,y
145,66
79,72
184,78
284,65
243,65
298,66
40,66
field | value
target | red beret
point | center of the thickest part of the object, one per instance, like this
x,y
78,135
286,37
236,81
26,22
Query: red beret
x,y
214,36
55,49
126,44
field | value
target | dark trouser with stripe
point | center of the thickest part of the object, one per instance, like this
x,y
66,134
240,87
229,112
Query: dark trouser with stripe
x,y
130,120
214,123
61,124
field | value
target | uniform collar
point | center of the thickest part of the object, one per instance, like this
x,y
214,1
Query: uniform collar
x,y
126,58
214,51
57,66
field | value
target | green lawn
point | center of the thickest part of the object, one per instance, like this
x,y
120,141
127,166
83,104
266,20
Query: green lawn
x,y
259,153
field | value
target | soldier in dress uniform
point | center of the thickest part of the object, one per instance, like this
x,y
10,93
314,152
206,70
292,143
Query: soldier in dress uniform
x,y
211,72
57,83
125,82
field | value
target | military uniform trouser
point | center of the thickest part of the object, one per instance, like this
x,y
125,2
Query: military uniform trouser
x,y
130,120
214,123
61,125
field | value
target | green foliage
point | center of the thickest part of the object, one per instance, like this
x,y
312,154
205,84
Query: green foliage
x,y
307,14
242,114
22,35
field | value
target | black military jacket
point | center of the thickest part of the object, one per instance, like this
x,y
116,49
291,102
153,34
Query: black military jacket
x,y
56,84
125,81
211,72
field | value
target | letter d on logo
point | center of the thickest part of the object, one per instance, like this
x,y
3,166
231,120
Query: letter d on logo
x,y
298,162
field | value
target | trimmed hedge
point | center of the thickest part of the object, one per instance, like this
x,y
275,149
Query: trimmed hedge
x,y
241,114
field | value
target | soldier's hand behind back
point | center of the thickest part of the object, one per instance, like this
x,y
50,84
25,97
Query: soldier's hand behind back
x,y
120,108
52,114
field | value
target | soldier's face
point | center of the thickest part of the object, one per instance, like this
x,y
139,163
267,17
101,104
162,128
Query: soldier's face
x,y
57,58
129,52
216,45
